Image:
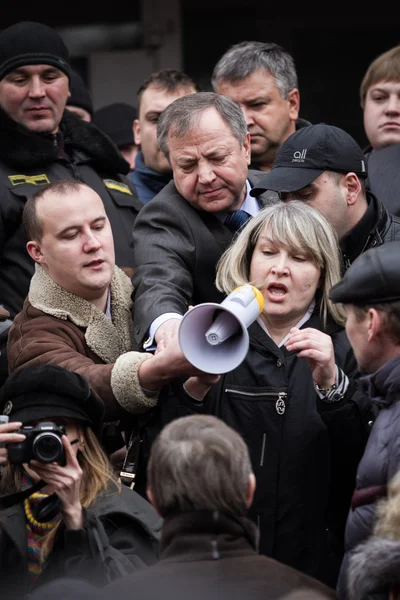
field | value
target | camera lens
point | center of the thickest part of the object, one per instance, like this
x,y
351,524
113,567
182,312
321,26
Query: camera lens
x,y
48,447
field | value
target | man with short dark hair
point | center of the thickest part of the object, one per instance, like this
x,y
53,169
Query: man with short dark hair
x,y
41,142
201,481
181,234
370,292
262,79
325,167
152,170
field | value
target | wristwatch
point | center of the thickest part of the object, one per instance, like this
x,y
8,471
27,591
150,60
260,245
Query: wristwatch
x,y
325,391
329,394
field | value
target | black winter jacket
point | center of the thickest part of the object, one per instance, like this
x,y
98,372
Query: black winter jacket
x,y
381,460
29,160
304,451
375,228
120,535
208,555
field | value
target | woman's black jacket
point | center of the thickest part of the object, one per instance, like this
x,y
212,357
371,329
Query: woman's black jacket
x,y
120,535
304,451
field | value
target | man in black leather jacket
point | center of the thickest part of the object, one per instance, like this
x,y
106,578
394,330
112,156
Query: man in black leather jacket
x,y
325,167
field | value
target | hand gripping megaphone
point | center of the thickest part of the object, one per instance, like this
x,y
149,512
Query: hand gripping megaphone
x,y
213,337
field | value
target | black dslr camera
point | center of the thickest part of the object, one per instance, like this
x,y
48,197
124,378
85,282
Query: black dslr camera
x,y
42,442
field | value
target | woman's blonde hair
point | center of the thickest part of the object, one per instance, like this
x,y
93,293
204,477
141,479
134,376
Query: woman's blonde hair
x,y
97,477
297,227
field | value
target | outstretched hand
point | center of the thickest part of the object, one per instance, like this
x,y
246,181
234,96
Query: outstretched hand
x,y
65,481
166,333
317,348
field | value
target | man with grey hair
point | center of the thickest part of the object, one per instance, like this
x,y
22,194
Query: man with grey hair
x,y
181,234
201,481
261,78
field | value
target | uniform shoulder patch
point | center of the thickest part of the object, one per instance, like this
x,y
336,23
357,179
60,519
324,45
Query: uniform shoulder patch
x,y
33,179
117,185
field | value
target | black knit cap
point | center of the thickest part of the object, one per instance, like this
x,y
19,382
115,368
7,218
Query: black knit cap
x,y
80,95
116,120
30,43
49,391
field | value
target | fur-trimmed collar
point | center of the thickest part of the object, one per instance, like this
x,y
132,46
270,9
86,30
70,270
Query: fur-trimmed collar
x,y
108,339
21,147
374,567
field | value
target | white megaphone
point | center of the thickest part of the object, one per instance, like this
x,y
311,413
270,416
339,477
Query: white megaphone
x,y
213,337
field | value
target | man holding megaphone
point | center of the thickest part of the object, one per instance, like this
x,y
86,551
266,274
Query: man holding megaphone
x,y
288,383
181,234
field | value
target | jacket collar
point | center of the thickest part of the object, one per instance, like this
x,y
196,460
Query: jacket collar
x,y
108,339
21,147
12,522
367,232
259,338
383,386
152,179
207,535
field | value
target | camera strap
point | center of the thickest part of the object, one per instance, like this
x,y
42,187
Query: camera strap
x,y
11,499
128,472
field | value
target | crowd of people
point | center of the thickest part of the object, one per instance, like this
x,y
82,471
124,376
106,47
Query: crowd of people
x,y
124,467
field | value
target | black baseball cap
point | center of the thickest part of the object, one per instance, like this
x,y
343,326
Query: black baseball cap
x,y
309,152
374,277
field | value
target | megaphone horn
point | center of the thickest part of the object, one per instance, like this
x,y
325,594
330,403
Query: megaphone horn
x,y
213,337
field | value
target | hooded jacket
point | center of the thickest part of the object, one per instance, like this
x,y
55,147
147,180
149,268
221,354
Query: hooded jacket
x,y
28,161
379,463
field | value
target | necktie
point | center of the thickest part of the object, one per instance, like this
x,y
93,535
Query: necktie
x,y
236,220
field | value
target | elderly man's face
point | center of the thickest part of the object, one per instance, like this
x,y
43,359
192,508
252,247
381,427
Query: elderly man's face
x,y
209,165
35,96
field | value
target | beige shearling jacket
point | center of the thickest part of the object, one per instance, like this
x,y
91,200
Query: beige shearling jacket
x,y
57,327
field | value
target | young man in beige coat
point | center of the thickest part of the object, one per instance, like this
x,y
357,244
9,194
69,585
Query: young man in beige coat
x,y
78,310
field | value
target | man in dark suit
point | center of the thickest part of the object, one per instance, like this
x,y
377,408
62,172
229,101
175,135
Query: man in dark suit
x,y
180,235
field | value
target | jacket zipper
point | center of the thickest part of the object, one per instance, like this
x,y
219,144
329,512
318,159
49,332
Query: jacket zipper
x,y
279,394
263,450
280,404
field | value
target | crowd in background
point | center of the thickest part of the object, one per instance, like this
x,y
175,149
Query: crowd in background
x,y
128,468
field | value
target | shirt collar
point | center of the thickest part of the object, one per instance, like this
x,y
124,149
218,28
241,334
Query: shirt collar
x,y
250,204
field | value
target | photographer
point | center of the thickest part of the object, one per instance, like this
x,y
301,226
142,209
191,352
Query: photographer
x,y
63,513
